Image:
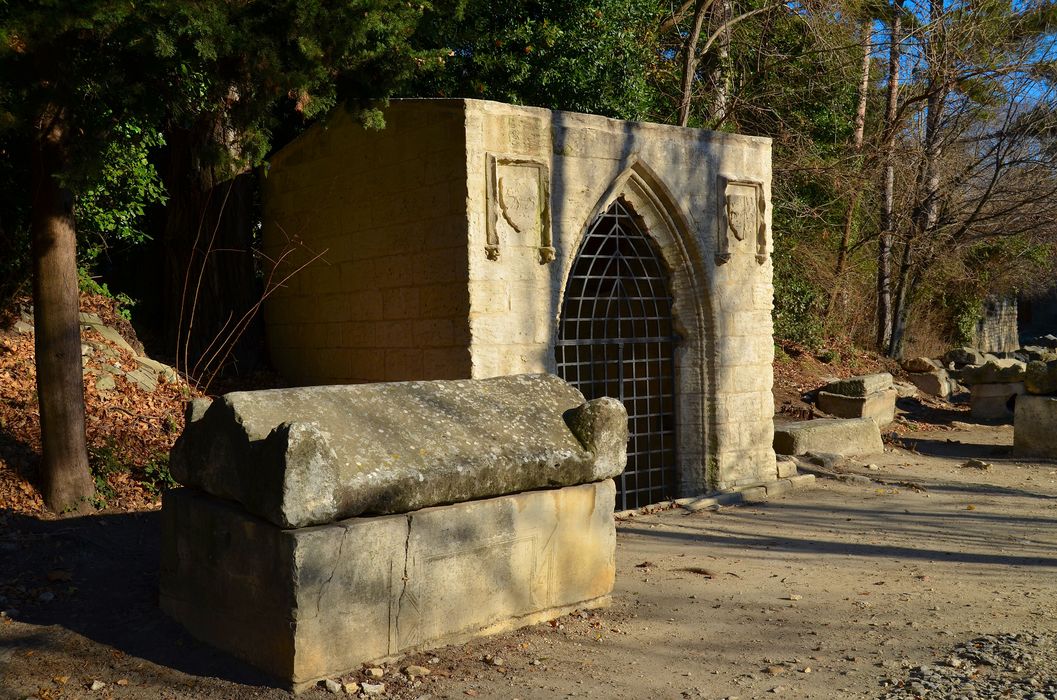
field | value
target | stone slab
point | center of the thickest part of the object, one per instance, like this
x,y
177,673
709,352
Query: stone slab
x,y
1041,378
861,386
921,364
934,383
1035,426
879,405
848,437
314,455
994,401
960,357
318,602
785,468
95,323
996,371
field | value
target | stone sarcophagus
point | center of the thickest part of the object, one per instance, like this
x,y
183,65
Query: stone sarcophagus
x,y
323,527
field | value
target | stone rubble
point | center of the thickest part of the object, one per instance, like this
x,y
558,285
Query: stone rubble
x,y
111,355
993,666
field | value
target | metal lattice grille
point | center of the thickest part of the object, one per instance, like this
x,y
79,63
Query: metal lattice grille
x,y
616,339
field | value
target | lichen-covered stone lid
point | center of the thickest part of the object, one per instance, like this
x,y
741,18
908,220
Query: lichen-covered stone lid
x,y
313,455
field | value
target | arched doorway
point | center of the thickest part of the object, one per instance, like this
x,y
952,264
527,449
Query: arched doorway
x,y
616,338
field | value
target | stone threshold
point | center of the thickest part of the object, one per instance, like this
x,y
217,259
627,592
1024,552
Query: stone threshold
x,y
756,492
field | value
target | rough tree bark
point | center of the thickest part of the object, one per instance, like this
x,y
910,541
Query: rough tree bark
x,y
67,484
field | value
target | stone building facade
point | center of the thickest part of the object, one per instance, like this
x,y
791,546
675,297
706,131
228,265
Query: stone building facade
x,y
471,239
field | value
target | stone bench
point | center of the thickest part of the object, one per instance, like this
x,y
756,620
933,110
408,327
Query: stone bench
x,y
325,527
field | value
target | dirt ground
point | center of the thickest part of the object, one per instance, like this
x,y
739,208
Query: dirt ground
x,y
824,593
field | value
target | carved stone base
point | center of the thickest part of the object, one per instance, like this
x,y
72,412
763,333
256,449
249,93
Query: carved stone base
x,y
314,602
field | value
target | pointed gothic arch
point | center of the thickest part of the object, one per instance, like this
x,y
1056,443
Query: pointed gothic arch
x,y
640,195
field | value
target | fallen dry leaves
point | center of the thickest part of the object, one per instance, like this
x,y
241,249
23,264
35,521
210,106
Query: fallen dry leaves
x,y
129,430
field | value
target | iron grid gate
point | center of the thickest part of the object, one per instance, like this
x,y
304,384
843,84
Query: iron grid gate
x,y
615,338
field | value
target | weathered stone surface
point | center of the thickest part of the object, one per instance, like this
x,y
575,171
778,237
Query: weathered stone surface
x,y
860,386
994,371
960,357
785,468
921,364
317,602
195,409
879,406
1035,427
313,455
905,390
159,369
1048,341
1037,352
601,426
95,323
1041,378
934,383
994,401
848,437
143,378
996,325
105,382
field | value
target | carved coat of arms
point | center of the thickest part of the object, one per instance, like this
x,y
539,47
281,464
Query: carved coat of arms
x,y
742,215
742,212
519,194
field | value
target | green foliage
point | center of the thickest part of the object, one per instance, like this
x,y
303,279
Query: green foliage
x,y
583,55
102,462
156,475
828,356
110,209
966,317
798,303
124,303
109,78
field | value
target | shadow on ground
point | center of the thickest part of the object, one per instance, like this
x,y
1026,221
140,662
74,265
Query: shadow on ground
x,y
922,412
953,447
98,576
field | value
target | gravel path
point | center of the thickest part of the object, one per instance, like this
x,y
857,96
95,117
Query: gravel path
x,y
994,666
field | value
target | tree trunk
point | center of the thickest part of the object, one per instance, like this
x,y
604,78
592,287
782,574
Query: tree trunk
x,y
927,214
210,277
884,243
690,62
66,481
857,139
901,304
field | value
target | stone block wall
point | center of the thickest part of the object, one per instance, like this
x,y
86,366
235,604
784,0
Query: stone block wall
x,y
722,292
455,229
996,331
384,209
